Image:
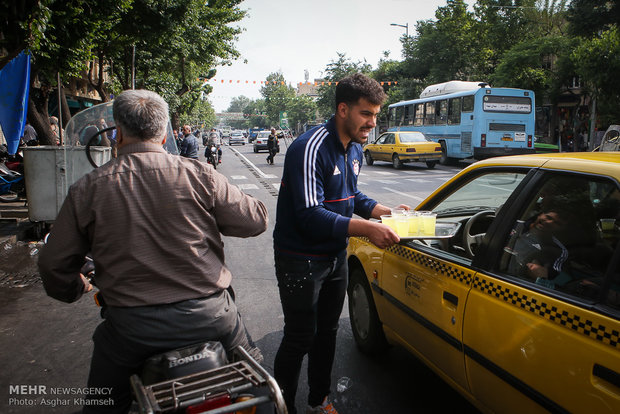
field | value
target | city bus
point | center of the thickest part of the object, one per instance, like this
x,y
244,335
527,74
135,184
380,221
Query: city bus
x,y
470,119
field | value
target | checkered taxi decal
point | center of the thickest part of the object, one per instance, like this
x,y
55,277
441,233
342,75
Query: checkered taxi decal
x,y
534,305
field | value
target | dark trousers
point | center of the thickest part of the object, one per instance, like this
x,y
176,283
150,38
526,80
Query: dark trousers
x,y
272,154
128,336
312,293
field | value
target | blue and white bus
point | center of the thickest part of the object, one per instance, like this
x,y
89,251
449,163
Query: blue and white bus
x,y
470,119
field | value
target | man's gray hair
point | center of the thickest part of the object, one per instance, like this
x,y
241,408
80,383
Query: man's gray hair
x,y
141,114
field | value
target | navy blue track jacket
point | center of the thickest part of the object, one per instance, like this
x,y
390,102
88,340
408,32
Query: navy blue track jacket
x,y
318,195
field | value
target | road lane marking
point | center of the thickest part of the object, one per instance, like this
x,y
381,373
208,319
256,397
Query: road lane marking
x,y
248,187
238,177
403,194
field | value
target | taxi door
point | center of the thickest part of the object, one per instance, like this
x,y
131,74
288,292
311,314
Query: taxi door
x,y
428,295
552,344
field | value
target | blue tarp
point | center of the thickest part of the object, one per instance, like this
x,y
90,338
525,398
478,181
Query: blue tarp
x,y
14,89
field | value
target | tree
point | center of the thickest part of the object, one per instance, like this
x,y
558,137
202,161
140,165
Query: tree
x,y
587,17
596,61
334,72
533,64
278,97
302,110
59,36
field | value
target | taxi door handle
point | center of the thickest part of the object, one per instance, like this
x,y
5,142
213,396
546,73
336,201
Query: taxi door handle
x,y
453,299
606,374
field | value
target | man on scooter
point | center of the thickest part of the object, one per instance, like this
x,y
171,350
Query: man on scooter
x,y
151,222
214,140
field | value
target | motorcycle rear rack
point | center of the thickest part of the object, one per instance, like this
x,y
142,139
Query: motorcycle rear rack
x,y
236,377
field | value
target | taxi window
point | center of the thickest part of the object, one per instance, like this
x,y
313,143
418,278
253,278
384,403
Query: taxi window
x,y
381,139
566,236
389,139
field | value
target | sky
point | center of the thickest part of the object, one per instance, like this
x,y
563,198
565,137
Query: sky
x,y
292,36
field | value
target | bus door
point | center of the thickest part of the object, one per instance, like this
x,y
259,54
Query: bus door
x,y
468,124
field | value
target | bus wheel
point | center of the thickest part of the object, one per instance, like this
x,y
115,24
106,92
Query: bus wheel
x,y
368,157
396,162
444,160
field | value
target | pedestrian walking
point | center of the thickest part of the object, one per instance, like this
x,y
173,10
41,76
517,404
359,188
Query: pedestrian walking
x,y
273,145
317,199
189,145
153,224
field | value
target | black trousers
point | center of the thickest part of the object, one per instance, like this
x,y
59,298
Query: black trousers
x,y
312,293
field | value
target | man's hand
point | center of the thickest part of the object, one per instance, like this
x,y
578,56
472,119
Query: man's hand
x,y
383,236
536,270
381,210
379,234
87,286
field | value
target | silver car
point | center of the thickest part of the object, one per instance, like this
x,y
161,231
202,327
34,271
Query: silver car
x,y
260,143
236,138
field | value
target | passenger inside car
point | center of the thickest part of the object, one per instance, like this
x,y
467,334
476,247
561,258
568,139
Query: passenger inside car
x,y
557,243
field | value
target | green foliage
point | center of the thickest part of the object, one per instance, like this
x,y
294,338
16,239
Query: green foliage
x,y
597,61
302,109
278,97
335,71
587,17
531,64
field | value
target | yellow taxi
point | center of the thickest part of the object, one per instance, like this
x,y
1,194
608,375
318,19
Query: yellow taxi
x,y
401,147
518,307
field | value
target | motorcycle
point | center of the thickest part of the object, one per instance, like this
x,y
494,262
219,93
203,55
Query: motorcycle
x,y
211,154
200,378
11,184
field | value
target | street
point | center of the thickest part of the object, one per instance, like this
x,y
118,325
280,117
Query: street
x,y
47,343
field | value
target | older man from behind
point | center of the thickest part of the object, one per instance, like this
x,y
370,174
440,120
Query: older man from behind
x,y
152,223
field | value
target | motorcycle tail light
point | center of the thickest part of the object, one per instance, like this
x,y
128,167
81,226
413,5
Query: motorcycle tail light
x,y
483,140
216,401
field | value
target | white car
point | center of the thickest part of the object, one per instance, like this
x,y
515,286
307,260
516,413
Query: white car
x,y
236,138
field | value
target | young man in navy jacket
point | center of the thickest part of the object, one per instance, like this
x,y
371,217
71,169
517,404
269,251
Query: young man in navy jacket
x,y
317,199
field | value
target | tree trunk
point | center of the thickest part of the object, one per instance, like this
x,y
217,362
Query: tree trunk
x,y
37,112
40,122
66,112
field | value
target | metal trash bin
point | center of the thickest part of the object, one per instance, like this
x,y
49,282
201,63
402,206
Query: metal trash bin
x,y
49,172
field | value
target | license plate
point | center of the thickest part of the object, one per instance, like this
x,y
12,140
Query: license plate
x,y
507,138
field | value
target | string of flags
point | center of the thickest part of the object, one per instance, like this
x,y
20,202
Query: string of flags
x,y
266,82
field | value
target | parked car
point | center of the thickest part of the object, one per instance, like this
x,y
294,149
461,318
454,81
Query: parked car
x,y
518,308
401,147
236,138
260,143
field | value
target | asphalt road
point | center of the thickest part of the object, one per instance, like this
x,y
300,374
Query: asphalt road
x,y
47,343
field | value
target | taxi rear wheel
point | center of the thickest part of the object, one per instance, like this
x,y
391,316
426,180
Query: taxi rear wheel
x,y
365,323
396,162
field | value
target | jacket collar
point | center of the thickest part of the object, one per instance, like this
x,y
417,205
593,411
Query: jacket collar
x,y
330,126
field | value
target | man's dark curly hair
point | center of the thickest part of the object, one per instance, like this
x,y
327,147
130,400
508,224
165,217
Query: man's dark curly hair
x,y
350,89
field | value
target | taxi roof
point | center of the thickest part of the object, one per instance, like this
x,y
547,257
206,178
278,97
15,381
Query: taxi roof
x,y
605,163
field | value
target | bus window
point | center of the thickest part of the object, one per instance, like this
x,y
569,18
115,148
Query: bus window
x,y
468,103
392,117
454,114
442,112
430,114
400,111
408,115
419,115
